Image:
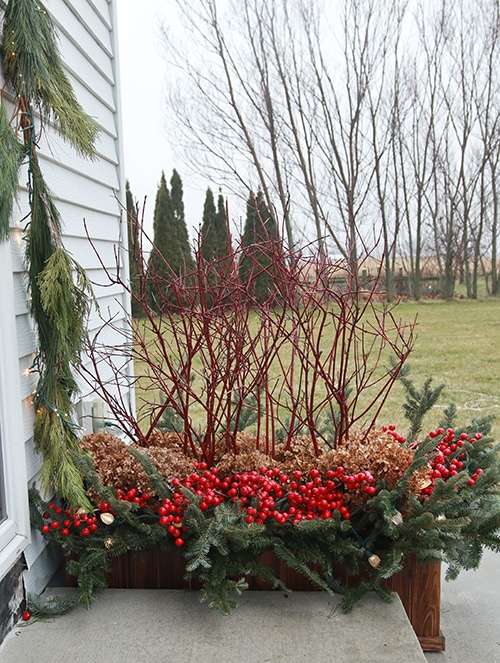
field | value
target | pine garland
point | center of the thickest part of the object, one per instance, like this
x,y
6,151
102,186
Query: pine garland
x,y
60,292
33,67
11,156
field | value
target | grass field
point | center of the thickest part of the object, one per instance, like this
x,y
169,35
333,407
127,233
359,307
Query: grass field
x,y
457,344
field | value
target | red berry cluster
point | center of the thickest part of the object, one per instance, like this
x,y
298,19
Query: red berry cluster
x,y
391,429
133,496
66,521
171,513
265,494
259,492
450,458
317,498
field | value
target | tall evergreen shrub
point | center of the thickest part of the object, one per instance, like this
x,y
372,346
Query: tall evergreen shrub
x,y
260,232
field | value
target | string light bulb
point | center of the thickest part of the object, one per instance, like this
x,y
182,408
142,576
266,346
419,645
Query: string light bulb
x,y
397,519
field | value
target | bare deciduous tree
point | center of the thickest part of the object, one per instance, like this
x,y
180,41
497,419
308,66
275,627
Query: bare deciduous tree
x,y
350,115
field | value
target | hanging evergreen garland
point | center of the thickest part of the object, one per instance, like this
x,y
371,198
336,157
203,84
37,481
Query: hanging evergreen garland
x,y
33,67
11,156
59,302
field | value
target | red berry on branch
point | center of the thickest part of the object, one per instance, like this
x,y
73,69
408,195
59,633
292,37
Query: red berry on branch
x,y
26,616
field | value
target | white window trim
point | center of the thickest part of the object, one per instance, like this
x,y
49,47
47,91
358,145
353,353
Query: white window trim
x,y
15,530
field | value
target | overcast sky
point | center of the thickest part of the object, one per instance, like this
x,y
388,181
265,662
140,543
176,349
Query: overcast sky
x,y
143,80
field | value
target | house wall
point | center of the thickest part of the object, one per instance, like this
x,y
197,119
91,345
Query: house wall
x,y
87,194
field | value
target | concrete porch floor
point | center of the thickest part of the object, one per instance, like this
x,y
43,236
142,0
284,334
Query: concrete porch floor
x,y
470,615
156,625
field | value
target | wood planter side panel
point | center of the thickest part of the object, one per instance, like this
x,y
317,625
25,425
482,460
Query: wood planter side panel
x,y
418,585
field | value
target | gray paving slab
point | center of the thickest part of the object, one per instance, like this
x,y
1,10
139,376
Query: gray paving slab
x,y
470,615
172,625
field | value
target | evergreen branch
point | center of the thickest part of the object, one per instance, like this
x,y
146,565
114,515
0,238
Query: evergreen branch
x,y
49,606
418,403
32,65
156,480
292,561
198,549
11,156
355,593
57,445
65,303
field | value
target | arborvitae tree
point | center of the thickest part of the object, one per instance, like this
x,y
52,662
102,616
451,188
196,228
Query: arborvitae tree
x,y
260,230
214,231
221,226
134,248
172,253
209,238
162,255
179,238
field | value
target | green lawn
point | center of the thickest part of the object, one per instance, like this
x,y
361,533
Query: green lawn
x,y
458,344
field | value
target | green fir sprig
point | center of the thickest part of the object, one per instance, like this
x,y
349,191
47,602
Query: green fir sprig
x,y
418,403
11,156
33,67
48,606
